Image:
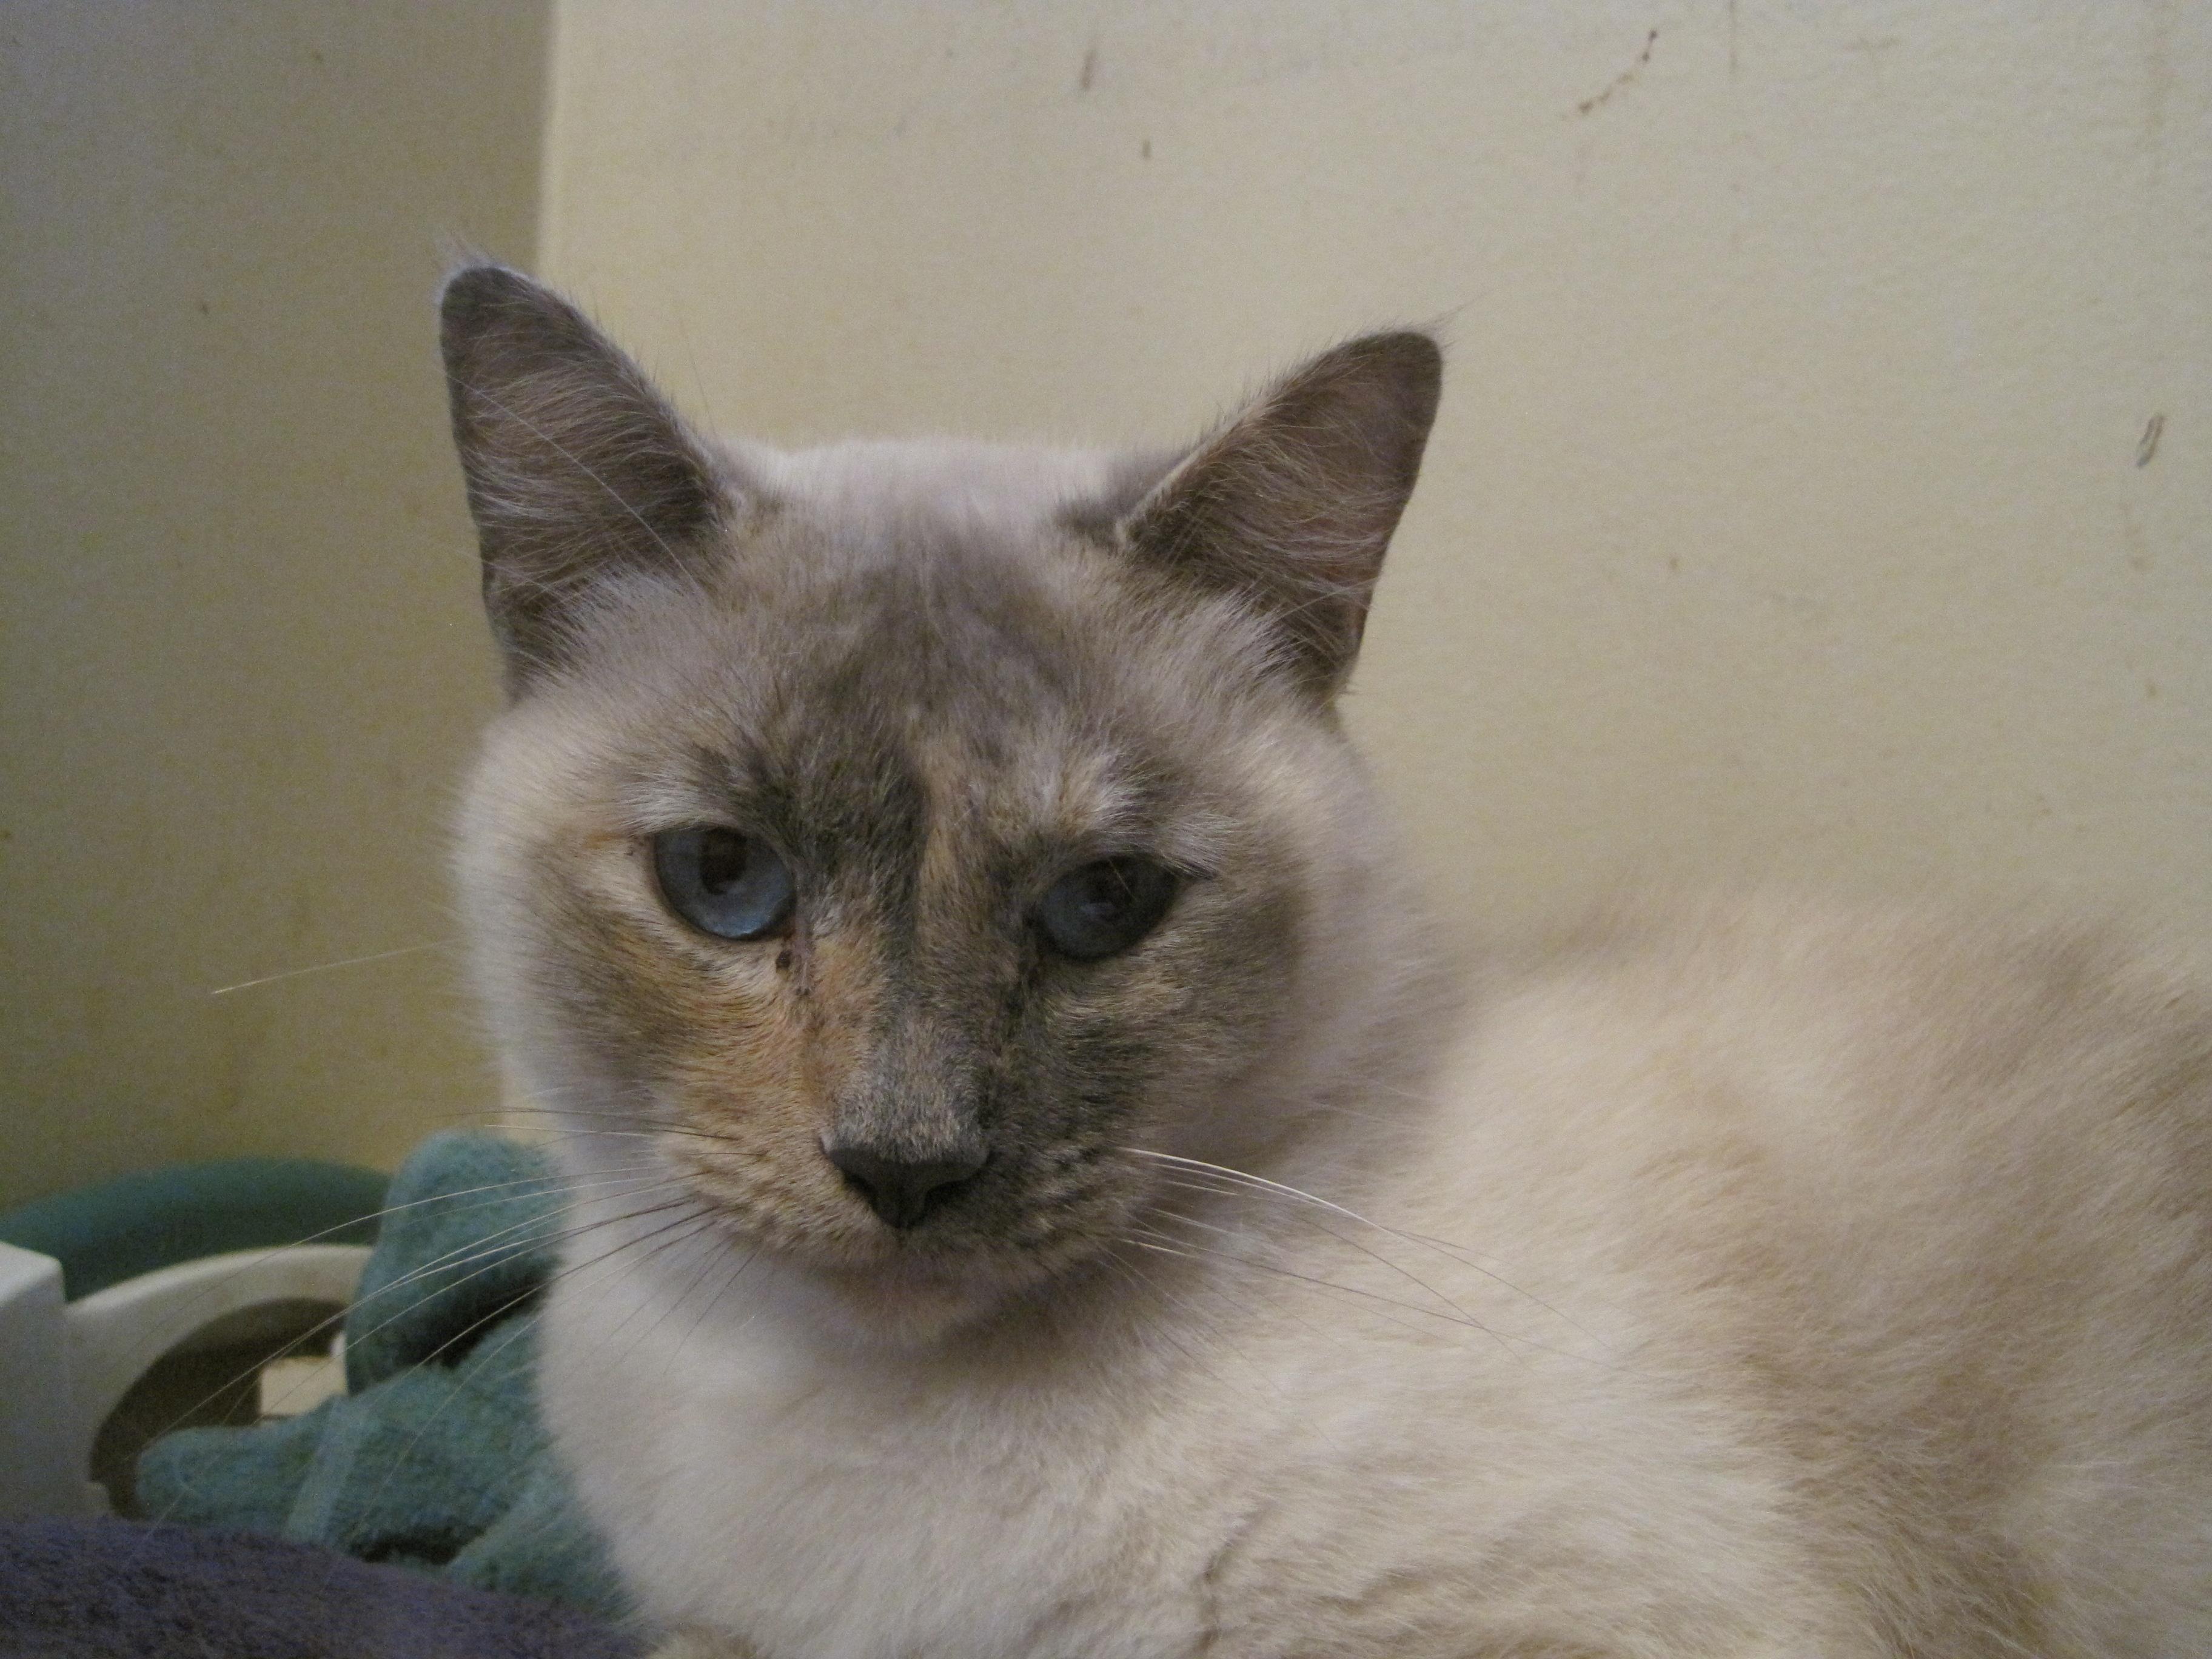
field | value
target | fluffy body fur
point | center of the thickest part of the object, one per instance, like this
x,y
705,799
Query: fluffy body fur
x,y
1759,1280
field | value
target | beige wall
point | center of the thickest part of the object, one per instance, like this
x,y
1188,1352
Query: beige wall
x,y
1786,510
238,660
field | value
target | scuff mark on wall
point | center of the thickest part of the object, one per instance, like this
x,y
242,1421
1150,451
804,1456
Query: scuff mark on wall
x,y
2147,447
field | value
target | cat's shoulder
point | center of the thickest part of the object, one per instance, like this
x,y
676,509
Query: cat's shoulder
x,y
1778,942
1729,1024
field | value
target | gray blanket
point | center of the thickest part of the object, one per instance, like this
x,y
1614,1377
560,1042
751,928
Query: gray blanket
x,y
116,1589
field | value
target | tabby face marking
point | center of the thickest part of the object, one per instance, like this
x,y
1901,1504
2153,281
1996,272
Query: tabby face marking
x,y
914,1003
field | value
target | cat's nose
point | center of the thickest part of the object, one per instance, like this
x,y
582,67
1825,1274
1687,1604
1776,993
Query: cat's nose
x,y
900,1189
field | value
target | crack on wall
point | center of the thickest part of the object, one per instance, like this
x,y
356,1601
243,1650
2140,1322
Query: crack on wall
x,y
1625,78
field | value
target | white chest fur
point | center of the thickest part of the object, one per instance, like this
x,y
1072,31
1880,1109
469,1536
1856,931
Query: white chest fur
x,y
856,1506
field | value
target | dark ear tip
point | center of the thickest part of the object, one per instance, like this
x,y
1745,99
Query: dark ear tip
x,y
1414,360
1398,370
474,293
1414,347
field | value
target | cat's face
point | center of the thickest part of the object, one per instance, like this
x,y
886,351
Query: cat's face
x,y
901,837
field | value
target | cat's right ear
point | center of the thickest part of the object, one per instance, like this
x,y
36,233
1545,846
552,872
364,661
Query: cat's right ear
x,y
1290,504
577,469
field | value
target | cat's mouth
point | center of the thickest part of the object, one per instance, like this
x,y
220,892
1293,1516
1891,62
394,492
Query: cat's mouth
x,y
897,1263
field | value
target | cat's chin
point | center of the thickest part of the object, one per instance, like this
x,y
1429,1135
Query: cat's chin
x,y
912,1302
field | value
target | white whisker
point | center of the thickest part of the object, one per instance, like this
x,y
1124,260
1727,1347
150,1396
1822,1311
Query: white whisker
x,y
331,967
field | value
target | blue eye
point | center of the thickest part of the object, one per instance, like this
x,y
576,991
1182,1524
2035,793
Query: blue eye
x,y
731,886
1105,907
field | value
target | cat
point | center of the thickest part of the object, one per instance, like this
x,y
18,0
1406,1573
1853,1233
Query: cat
x,y
1048,1189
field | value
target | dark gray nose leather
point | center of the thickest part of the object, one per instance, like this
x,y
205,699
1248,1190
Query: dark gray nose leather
x,y
897,1190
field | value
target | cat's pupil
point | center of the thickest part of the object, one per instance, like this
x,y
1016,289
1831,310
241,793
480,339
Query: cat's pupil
x,y
1105,892
722,857
723,882
1106,907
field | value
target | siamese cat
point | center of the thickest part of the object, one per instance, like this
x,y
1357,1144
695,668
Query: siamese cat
x,y
1045,1192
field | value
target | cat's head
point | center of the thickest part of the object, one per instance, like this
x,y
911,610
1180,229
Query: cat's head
x,y
904,840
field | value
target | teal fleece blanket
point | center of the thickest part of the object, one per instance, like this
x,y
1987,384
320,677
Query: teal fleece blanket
x,y
435,1457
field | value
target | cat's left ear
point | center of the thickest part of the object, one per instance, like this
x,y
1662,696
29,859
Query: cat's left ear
x,y
1292,505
